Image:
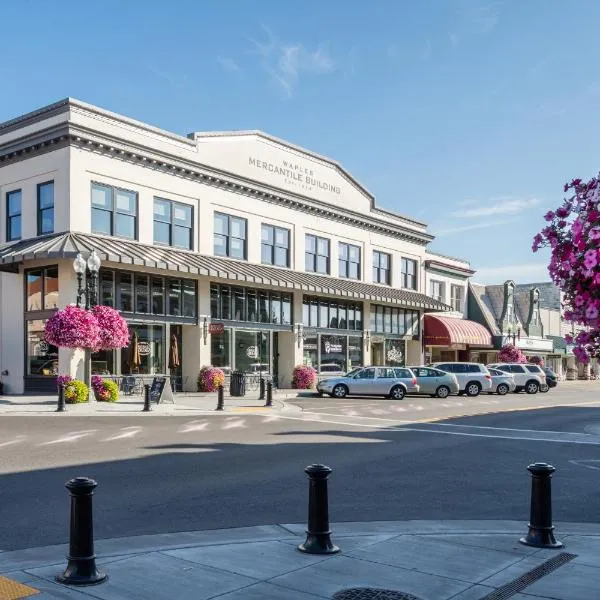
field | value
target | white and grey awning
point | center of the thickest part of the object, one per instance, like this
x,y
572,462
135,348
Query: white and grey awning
x,y
127,252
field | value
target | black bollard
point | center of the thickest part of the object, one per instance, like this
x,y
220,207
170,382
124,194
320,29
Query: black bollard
x,y
269,393
61,398
147,406
81,568
541,530
261,394
318,534
220,399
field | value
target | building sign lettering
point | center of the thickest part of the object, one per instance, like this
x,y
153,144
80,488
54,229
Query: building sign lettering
x,y
144,348
295,175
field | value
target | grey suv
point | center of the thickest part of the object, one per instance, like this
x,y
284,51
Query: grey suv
x,y
527,377
473,378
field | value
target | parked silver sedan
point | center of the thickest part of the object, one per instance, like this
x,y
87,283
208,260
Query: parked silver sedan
x,y
434,382
502,382
391,382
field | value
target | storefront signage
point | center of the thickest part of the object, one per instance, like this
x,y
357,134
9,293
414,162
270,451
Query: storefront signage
x,y
394,355
144,348
330,348
252,352
535,344
294,174
41,349
216,328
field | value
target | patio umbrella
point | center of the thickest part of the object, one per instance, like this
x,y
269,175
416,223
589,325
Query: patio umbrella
x,y
173,353
134,352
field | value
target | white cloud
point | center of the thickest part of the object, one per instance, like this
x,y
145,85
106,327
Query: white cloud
x,y
500,207
453,229
520,272
478,17
287,63
228,63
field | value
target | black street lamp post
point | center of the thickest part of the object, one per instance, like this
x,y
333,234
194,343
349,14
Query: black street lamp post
x,y
514,336
88,291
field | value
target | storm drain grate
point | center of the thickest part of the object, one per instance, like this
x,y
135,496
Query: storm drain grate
x,y
519,584
372,594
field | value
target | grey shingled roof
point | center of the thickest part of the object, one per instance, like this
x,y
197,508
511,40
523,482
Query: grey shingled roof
x,y
485,305
127,252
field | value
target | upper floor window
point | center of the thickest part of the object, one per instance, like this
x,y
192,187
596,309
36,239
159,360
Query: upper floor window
x,y
13,215
349,261
45,207
230,236
437,290
408,273
114,211
173,224
456,297
381,267
41,289
316,254
275,246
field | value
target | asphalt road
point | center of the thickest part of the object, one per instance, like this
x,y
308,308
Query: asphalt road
x,y
162,474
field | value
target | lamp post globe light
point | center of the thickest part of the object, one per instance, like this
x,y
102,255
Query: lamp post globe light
x,y
88,291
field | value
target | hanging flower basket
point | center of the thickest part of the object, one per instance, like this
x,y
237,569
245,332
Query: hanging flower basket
x,y
72,327
113,330
536,360
511,354
304,378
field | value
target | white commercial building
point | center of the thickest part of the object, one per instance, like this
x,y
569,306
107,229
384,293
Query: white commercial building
x,y
250,252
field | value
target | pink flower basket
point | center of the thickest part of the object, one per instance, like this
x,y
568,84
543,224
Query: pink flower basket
x,y
114,332
304,378
511,354
72,327
210,379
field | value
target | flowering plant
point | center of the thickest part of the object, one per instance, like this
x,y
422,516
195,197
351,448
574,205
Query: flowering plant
x,y
76,392
304,377
72,327
210,379
105,390
113,328
572,234
63,380
511,354
537,360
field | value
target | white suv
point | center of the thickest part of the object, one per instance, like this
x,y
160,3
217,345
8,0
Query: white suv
x,y
527,377
473,378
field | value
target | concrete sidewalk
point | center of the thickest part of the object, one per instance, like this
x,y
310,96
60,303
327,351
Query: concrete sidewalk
x,y
432,560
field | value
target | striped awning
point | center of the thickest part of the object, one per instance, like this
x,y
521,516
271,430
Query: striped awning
x,y
448,331
129,252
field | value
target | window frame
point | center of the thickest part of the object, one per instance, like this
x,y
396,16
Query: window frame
x,y
274,246
114,212
456,300
347,261
172,205
228,235
378,269
9,217
442,289
41,211
406,276
315,255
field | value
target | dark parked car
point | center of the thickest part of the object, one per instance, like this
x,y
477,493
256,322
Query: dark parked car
x,y
551,378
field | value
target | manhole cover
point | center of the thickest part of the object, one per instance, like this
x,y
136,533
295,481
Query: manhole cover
x,y
372,594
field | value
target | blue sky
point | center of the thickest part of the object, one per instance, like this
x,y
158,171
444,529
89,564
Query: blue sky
x,y
467,114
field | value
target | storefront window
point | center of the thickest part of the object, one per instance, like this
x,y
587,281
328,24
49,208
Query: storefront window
x,y
125,292
239,314
220,345
35,290
189,297
51,288
324,314
398,321
286,309
251,300
42,357
333,316
174,298
355,351
252,351
150,357
42,289
275,308
311,352
263,307
333,354
141,293
158,296
107,288
103,362
395,353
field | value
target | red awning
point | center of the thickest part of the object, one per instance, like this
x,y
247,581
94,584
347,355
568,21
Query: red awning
x,y
446,331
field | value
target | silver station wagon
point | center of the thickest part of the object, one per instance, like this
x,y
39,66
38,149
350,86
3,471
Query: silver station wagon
x,y
391,382
435,382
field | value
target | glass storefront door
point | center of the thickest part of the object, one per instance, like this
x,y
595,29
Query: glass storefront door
x,y
150,356
252,351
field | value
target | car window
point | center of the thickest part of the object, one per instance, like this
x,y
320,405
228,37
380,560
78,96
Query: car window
x,y
517,369
383,373
494,371
404,373
420,372
366,374
458,368
472,368
444,368
436,373
532,368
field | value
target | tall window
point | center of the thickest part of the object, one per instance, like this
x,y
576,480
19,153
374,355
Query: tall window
x,y
173,224
13,215
275,246
381,267
456,297
349,261
331,314
230,236
409,273
45,207
436,290
114,211
316,254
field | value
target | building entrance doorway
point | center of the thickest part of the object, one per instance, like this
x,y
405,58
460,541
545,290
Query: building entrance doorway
x,y
377,354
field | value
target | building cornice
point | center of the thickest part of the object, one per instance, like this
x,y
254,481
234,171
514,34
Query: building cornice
x,y
435,265
99,142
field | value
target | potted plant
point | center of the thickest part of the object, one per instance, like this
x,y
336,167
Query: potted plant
x,y
105,390
76,392
210,379
304,378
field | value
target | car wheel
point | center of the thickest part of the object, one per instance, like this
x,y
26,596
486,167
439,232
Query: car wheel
x,y
473,389
443,391
397,392
544,387
340,391
502,389
532,387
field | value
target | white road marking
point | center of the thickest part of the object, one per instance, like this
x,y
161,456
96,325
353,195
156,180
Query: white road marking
x,y
18,439
271,419
193,426
126,432
399,409
231,424
377,411
588,464
70,437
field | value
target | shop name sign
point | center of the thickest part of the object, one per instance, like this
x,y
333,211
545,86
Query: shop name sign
x,y
295,175
144,348
332,347
216,328
535,344
394,355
